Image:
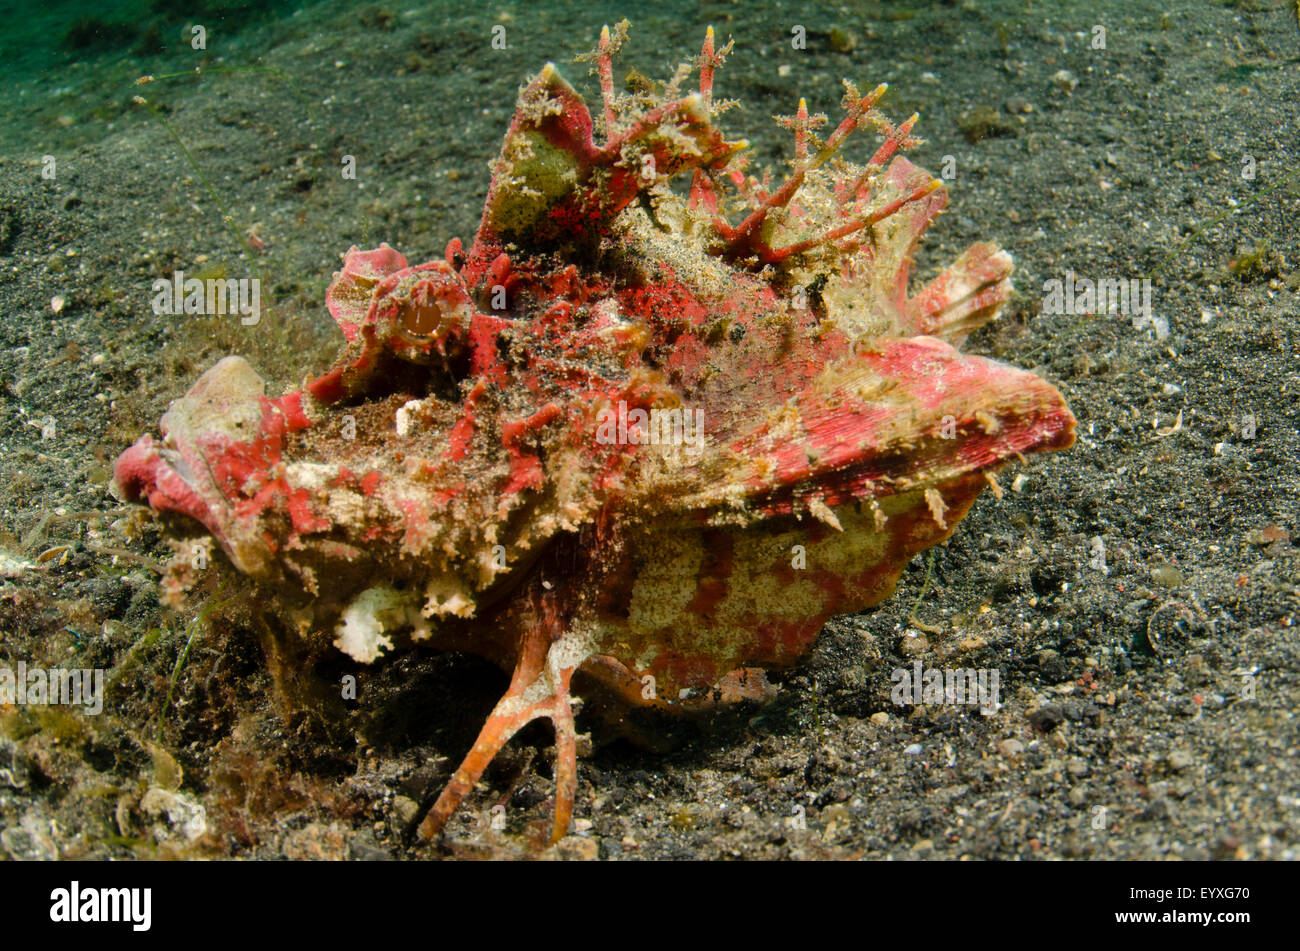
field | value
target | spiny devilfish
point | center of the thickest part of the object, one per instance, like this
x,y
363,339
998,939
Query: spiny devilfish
x,y
452,480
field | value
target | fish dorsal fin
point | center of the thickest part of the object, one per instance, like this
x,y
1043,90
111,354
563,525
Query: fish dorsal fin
x,y
552,185
545,158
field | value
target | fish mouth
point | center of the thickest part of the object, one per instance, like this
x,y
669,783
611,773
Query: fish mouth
x,y
154,474
150,473
214,438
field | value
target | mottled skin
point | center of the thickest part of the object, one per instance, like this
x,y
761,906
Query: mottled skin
x,y
445,482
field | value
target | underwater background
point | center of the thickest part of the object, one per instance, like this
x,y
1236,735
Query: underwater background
x,y
1137,593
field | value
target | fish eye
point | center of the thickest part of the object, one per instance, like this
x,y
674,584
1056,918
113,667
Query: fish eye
x,y
426,309
421,316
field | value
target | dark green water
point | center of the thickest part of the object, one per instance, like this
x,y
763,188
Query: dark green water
x,y
68,67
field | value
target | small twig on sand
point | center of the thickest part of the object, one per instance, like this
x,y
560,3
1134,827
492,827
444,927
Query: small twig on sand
x,y
127,555
925,586
37,533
